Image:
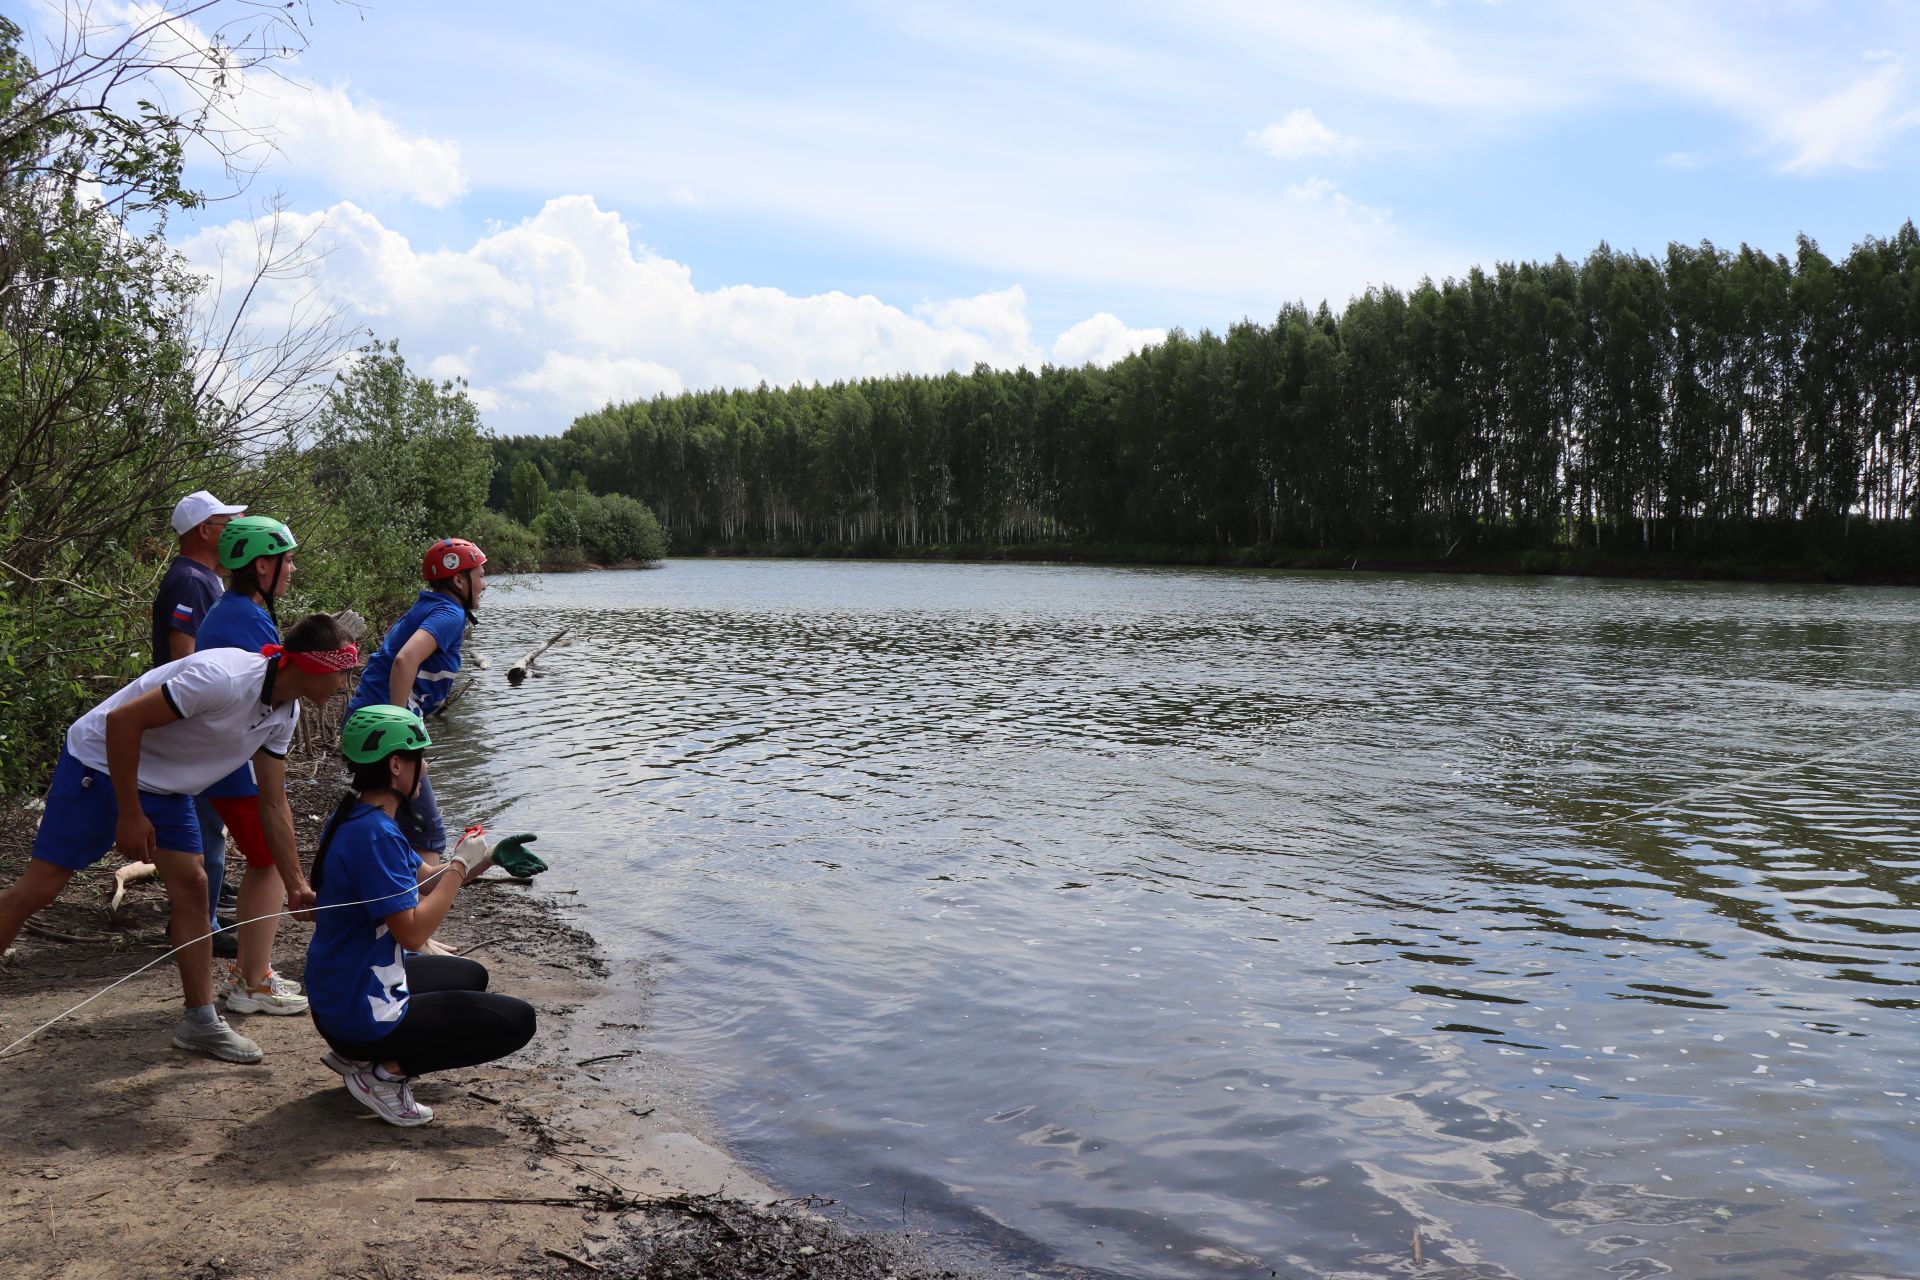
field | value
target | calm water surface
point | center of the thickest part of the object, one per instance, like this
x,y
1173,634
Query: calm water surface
x,y
1176,923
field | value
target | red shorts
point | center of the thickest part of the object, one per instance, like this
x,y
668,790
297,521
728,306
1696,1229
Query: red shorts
x,y
241,814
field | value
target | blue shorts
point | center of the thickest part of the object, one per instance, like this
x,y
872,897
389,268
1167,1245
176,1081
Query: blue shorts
x,y
78,827
238,783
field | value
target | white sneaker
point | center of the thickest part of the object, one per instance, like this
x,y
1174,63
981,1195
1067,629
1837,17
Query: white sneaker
x,y
391,1100
268,997
230,980
216,1038
341,1065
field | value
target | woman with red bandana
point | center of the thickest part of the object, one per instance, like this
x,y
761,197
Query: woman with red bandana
x,y
130,768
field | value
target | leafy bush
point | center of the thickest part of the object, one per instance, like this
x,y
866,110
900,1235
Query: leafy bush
x,y
558,529
397,462
511,547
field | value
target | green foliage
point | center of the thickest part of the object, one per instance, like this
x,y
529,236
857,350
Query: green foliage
x,y
66,642
558,529
110,399
627,530
511,547
530,494
397,461
1621,404
579,528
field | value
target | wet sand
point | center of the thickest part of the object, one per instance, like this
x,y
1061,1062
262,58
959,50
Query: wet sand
x,y
122,1156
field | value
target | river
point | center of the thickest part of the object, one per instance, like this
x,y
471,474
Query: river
x,y
1211,923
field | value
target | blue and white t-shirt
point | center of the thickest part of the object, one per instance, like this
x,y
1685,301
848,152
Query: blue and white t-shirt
x,y
224,699
236,621
186,593
439,615
356,971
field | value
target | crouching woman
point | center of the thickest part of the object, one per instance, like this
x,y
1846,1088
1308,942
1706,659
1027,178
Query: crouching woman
x,y
388,1016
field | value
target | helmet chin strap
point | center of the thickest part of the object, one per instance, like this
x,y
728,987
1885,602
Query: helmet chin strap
x,y
269,590
466,601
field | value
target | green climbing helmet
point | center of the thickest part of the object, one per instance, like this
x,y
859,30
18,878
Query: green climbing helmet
x,y
371,734
247,538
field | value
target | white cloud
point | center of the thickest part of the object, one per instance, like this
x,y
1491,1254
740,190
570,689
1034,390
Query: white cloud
x,y
1299,136
1352,46
354,146
1808,109
1348,212
1812,105
1102,339
1848,128
563,312
315,131
593,381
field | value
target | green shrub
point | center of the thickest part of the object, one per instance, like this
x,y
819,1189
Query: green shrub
x,y
511,547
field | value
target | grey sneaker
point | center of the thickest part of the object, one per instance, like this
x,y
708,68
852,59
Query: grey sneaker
x,y
216,1038
391,1100
341,1065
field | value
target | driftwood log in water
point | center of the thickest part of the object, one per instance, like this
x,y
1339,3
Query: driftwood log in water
x,y
522,669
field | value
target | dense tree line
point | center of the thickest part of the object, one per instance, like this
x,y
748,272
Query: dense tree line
x,y
1703,400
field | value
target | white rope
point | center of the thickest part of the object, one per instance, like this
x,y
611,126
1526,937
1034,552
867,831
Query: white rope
x,y
8,1051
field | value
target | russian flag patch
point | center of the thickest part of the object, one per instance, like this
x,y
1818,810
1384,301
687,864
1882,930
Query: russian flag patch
x,y
183,613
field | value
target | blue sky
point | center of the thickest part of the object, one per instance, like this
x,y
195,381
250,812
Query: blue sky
x,y
595,202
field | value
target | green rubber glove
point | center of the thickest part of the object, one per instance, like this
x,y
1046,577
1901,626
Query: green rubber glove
x,y
512,856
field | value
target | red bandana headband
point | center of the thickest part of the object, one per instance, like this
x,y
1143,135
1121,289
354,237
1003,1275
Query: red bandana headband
x,y
320,662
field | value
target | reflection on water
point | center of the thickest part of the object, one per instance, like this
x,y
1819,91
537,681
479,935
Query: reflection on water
x,y
1183,923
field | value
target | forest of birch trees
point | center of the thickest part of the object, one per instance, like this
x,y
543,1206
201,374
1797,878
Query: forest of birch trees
x,y
1704,400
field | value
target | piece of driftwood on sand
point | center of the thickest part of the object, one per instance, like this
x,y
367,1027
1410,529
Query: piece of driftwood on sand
x,y
522,669
121,879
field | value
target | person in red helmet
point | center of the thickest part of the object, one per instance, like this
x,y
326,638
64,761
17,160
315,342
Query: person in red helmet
x,y
417,661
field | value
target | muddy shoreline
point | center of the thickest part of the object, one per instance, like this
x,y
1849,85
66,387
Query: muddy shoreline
x,y
122,1156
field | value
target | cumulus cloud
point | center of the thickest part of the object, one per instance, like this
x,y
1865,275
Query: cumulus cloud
x,y
354,145
1300,136
313,130
565,311
1102,339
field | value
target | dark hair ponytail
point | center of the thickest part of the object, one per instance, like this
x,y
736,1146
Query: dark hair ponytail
x,y
362,778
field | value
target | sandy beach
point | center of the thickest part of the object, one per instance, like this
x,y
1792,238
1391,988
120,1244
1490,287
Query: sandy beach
x,y
125,1157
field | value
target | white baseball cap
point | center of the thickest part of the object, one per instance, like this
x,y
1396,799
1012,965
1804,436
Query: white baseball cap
x,y
198,507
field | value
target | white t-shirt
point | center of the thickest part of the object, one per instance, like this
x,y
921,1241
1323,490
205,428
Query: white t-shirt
x,y
223,721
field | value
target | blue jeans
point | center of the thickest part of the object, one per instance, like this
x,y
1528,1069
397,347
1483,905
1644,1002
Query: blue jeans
x,y
213,848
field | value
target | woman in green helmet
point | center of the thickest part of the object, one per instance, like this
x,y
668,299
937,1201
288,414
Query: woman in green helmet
x,y
257,553
388,1015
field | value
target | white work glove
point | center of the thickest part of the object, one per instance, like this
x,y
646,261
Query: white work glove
x,y
352,625
473,853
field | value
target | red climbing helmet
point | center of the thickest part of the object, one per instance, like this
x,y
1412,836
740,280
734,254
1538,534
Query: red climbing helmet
x,y
448,557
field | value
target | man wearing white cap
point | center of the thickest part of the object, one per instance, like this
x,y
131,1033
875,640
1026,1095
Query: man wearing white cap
x,y
193,581
191,586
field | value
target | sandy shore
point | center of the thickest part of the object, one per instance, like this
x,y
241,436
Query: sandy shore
x,y
124,1157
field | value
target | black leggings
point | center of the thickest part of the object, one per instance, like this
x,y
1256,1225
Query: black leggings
x,y
452,1020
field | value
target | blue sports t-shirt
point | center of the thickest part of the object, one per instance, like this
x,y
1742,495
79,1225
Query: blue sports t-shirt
x,y
356,971
441,616
185,595
236,621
